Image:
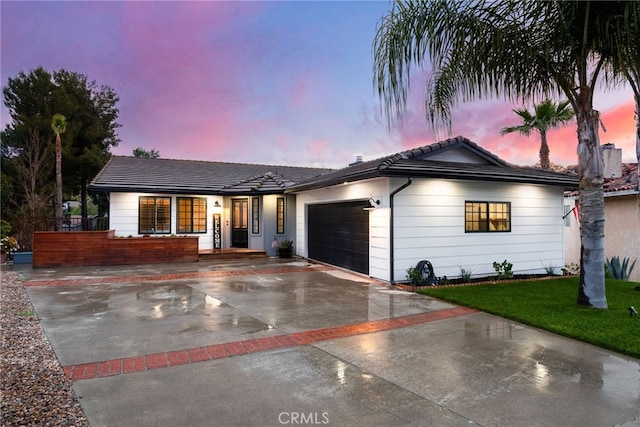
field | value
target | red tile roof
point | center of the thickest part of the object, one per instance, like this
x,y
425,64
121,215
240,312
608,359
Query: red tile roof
x,y
628,181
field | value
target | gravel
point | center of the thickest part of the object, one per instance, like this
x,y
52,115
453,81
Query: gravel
x,y
33,388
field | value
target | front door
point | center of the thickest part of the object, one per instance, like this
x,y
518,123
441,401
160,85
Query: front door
x,y
240,223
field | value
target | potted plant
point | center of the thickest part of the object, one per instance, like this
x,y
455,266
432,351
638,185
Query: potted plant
x,y
8,245
286,249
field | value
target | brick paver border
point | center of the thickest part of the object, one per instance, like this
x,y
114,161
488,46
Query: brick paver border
x,y
173,276
128,365
148,362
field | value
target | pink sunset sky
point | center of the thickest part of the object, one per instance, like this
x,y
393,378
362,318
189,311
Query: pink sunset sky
x,y
259,82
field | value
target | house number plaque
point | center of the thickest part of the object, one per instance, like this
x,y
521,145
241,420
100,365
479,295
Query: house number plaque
x,y
217,232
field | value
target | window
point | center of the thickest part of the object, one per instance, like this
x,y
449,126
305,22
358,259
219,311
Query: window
x,y
487,217
154,215
280,215
255,215
192,215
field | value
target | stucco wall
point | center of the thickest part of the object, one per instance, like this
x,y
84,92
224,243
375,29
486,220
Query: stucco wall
x,y
621,232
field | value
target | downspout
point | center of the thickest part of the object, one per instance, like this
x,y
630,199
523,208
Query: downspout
x,y
391,254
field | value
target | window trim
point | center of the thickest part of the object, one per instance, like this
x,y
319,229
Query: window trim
x,y
255,215
280,215
486,221
191,200
155,215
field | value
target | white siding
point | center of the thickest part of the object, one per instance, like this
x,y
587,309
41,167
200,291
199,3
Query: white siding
x,y
429,224
123,216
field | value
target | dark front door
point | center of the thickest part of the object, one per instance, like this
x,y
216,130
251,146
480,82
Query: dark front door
x,y
339,235
240,223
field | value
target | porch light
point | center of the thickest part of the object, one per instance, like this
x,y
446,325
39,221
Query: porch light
x,y
371,204
216,205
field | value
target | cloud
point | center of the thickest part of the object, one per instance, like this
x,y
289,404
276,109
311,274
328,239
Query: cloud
x,y
274,82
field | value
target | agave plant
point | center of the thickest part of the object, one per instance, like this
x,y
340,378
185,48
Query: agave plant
x,y
620,270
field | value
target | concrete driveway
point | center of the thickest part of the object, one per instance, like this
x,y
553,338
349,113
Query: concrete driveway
x,y
274,342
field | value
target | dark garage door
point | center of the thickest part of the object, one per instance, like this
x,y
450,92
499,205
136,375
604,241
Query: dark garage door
x,y
339,235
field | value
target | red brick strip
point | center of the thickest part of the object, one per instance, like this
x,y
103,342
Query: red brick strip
x,y
199,354
172,276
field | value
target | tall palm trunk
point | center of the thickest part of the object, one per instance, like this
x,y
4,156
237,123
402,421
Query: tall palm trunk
x,y
58,208
545,163
59,125
591,202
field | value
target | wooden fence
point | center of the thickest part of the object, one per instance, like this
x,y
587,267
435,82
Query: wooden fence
x,y
54,248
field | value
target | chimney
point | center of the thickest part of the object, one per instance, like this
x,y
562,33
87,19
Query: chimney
x,y
612,158
357,162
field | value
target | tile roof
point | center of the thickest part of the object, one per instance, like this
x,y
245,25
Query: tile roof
x,y
200,177
139,174
417,162
625,183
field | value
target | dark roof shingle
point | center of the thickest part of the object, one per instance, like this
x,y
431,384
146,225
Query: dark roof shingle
x,y
416,163
197,177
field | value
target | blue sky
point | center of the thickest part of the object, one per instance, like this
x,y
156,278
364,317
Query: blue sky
x,y
256,82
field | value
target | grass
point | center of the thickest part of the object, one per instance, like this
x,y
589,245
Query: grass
x,y
551,305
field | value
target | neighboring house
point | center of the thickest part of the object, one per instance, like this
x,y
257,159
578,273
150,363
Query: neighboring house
x,y
225,204
621,211
452,203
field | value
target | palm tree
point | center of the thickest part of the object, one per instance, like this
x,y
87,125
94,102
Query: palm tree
x,y
59,125
546,115
518,51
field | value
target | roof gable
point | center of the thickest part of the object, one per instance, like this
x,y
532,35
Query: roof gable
x,y
454,158
267,182
455,150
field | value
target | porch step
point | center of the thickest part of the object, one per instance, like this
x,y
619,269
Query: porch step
x,y
230,253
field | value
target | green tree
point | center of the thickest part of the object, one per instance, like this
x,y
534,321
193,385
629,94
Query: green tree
x,y
59,126
91,116
518,51
150,154
545,116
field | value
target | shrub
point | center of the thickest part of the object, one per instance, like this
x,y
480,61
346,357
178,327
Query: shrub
x,y
503,269
6,228
571,269
286,244
550,269
616,269
465,275
414,276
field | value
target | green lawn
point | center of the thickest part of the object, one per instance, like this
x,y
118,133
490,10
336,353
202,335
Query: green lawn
x,y
551,304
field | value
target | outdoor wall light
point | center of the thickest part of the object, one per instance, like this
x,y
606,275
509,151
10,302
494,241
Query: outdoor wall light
x,y
371,204
216,205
